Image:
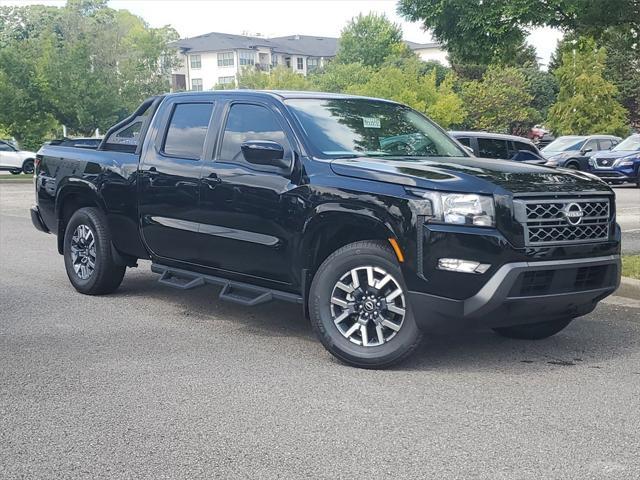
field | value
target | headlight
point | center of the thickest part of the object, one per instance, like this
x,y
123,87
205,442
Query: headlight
x,y
551,163
624,162
460,208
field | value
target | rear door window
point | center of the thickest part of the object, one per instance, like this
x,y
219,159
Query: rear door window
x,y
187,130
493,148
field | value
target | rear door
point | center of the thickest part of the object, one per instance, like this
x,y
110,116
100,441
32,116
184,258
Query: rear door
x,y
169,177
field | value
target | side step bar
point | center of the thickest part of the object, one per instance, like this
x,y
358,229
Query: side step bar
x,y
232,291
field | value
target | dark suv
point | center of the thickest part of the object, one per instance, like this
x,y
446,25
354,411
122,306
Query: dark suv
x,y
497,145
574,151
361,210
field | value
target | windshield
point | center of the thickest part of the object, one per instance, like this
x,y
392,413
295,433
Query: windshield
x,y
564,144
631,143
362,127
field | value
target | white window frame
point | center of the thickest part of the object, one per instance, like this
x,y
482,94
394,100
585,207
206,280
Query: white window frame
x,y
246,57
195,62
300,60
194,86
313,63
227,80
225,59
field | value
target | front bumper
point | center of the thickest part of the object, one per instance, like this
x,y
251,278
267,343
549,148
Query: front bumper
x,y
37,221
524,292
616,175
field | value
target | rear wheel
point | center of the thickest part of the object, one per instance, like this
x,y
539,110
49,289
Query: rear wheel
x,y
88,257
16,171
534,331
27,166
358,306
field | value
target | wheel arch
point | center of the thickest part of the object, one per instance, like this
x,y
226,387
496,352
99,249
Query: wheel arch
x,y
332,226
71,198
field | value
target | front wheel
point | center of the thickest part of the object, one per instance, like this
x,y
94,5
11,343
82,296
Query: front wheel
x,y
359,306
534,331
88,257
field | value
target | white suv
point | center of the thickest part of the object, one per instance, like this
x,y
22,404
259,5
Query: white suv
x,y
14,160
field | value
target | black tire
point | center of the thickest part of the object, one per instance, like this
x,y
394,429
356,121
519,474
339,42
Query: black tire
x,y
28,166
534,331
106,275
400,344
16,171
573,166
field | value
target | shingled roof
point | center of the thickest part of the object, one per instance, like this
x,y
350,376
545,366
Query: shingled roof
x,y
310,45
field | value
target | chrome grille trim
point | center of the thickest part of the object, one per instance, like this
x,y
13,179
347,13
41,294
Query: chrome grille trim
x,y
544,222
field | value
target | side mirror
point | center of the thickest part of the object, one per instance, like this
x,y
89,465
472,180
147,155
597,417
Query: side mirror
x,y
264,152
469,150
584,151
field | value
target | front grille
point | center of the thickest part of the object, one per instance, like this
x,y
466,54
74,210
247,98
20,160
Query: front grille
x,y
563,221
605,162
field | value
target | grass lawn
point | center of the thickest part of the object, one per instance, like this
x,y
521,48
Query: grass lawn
x,y
16,178
631,266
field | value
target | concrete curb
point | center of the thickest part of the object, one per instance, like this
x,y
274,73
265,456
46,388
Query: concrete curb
x,y
629,288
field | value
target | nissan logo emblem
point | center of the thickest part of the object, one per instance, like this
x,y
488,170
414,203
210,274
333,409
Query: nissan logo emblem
x,y
573,213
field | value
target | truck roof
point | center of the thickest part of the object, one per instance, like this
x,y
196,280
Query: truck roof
x,y
283,94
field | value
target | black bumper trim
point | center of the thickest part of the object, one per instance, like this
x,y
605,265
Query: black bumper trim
x,y
492,305
37,221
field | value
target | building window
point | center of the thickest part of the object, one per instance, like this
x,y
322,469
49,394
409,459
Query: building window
x,y
246,57
274,60
226,80
225,59
300,63
196,84
312,64
196,61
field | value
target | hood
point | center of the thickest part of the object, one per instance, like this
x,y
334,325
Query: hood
x,y
617,154
477,175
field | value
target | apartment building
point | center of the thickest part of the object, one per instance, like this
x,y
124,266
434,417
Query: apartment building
x,y
217,58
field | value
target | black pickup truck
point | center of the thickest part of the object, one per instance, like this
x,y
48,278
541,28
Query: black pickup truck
x,y
363,211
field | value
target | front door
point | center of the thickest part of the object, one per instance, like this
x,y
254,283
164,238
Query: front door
x,y
247,210
169,179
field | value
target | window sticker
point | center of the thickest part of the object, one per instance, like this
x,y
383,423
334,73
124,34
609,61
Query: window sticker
x,y
371,122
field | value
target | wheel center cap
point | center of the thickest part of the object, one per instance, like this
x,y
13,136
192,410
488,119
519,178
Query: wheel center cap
x,y
369,305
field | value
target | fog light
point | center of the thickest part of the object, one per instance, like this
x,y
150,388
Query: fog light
x,y
464,266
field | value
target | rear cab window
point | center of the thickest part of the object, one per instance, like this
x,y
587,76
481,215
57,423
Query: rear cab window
x,y
187,130
493,148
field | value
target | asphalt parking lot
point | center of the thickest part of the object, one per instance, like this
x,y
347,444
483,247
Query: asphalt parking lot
x,y
156,383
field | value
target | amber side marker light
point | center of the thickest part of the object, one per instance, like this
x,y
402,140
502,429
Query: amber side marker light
x,y
396,248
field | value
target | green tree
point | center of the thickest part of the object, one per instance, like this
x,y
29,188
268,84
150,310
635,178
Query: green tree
x,y
369,40
280,78
488,31
420,91
500,101
338,77
83,65
587,101
623,70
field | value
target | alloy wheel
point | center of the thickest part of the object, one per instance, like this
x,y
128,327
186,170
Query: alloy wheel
x,y
368,306
83,251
